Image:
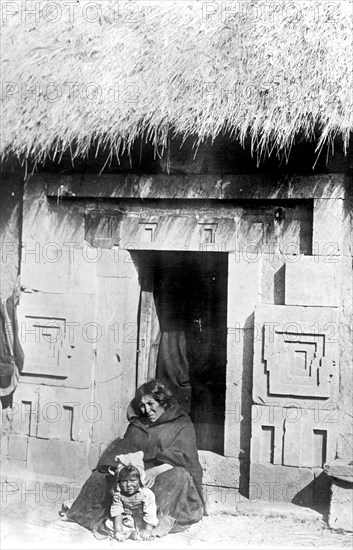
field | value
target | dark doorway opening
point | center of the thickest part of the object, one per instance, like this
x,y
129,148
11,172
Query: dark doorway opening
x,y
190,294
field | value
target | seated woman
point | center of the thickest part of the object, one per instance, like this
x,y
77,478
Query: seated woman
x,y
165,434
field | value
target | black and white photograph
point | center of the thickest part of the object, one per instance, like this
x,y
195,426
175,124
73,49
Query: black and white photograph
x,y
176,244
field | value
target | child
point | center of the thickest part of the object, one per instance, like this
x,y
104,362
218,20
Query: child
x,y
134,510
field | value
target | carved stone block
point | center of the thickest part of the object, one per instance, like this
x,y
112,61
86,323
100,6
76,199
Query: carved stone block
x,y
298,361
295,354
322,271
292,436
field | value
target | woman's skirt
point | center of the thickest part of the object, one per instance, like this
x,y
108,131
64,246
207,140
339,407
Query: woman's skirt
x,y
176,497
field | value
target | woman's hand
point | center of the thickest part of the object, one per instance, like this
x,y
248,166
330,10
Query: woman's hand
x,y
152,473
150,478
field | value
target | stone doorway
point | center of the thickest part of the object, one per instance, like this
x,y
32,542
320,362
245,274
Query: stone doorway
x,y
183,333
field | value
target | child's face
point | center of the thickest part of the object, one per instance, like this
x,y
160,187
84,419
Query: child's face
x,y
130,485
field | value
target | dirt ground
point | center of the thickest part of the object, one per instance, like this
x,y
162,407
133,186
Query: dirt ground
x,y
35,523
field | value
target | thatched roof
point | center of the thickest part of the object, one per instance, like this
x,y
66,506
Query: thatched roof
x,y
105,72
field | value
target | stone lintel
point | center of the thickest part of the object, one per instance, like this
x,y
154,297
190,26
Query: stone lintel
x,y
200,186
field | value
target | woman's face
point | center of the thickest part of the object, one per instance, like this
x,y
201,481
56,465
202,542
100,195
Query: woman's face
x,y
151,408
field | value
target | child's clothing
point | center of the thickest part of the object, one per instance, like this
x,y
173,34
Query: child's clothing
x,y
135,509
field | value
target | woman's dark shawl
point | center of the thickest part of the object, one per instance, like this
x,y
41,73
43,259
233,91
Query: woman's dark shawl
x,y
171,440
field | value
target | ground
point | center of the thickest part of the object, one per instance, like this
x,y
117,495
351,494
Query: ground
x,y
31,521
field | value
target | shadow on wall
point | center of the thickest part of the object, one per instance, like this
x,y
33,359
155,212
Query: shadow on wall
x,y
279,286
223,154
316,495
246,404
12,175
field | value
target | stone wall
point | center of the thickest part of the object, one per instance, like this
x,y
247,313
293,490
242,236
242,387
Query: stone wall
x,y
72,398
345,334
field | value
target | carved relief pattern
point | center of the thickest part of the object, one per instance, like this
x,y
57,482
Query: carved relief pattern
x,y
298,363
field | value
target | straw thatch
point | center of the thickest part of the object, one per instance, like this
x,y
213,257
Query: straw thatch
x,y
105,72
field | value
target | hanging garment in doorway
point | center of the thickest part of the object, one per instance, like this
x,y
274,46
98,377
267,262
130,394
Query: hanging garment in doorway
x,y
172,364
